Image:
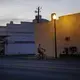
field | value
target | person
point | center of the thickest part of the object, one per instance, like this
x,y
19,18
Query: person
x,y
41,51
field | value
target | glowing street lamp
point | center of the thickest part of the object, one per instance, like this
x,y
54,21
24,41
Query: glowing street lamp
x,y
54,16
54,19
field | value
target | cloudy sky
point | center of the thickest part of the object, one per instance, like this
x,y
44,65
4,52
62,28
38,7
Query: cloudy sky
x,y
23,10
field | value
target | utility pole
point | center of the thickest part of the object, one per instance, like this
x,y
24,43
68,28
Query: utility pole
x,y
38,13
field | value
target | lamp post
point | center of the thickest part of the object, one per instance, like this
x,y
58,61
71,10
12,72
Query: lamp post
x,y
54,19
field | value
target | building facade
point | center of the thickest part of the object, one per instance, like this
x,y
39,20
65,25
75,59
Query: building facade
x,y
18,38
67,34
24,38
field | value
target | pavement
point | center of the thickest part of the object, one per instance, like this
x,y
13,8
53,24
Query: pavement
x,y
21,69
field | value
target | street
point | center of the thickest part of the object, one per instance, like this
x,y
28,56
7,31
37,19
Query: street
x,y
16,69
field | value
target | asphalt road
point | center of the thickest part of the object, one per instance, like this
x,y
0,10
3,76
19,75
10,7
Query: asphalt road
x,y
16,69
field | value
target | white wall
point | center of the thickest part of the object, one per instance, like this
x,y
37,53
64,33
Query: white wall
x,y
20,32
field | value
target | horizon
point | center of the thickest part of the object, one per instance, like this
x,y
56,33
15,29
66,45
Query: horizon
x,y
23,10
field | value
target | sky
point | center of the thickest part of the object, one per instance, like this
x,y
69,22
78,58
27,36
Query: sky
x,y
24,10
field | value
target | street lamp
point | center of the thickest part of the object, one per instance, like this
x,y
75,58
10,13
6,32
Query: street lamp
x,y
54,19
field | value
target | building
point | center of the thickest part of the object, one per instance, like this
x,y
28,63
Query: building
x,y
18,38
68,34
24,38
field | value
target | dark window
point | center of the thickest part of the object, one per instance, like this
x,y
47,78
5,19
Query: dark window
x,y
25,42
67,38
